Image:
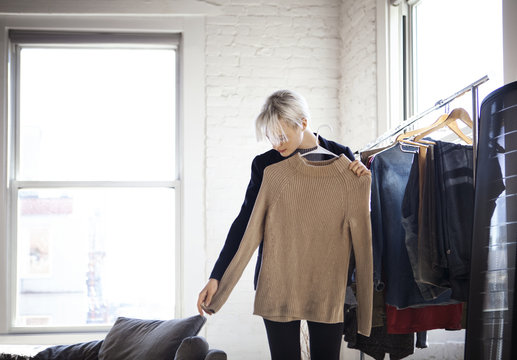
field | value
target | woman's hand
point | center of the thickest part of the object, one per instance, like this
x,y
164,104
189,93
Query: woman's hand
x,y
358,168
205,296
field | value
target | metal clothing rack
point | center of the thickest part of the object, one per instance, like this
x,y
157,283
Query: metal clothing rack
x,y
439,104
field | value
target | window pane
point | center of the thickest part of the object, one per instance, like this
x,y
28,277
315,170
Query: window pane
x,y
97,114
457,42
86,256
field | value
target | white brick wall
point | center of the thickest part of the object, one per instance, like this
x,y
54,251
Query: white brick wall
x,y
326,50
358,88
253,49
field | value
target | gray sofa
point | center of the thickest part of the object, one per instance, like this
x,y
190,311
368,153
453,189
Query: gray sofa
x,y
137,339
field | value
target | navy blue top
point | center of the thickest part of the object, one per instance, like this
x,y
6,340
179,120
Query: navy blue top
x,y
238,227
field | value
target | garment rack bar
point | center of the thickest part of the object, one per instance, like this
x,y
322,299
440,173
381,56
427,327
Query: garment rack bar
x,y
475,131
437,105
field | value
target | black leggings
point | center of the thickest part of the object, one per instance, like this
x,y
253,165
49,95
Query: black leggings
x,y
284,340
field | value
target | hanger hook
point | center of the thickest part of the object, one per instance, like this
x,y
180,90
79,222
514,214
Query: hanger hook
x,y
318,130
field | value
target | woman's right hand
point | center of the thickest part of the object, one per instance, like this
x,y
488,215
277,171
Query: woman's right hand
x,y
205,296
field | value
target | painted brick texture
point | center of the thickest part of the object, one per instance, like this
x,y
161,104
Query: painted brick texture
x,y
253,49
358,87
326,50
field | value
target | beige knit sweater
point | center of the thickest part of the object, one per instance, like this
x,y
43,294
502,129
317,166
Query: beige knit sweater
x,y
310,216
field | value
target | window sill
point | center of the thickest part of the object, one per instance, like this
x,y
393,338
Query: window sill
x,y
37,342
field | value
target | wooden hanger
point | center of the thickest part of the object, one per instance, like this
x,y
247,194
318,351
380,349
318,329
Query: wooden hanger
x,y
455,129
422,143
450,121
409,134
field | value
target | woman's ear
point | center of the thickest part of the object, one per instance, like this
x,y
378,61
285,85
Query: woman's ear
x,y
304,124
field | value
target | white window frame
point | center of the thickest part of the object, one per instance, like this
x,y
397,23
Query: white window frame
x,y
23,38
395,64
191,160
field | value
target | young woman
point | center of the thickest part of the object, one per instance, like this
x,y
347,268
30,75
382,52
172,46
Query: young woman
x,y
284,122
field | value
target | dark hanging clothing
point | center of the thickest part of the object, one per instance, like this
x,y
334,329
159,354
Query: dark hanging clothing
x,y
419,239
390,173
380,342
455,213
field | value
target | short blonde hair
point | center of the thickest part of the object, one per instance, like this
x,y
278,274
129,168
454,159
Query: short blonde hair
x,y
282,107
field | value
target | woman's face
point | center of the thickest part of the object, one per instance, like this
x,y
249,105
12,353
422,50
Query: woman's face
x,y
290,140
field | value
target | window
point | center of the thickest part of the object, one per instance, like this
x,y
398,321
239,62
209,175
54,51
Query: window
x,y
438,47
454,44
94,177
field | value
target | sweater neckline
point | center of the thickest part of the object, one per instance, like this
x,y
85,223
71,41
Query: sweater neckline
x,y
303,151
319,168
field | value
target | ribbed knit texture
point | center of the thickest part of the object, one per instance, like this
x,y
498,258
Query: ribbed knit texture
x,y
310,216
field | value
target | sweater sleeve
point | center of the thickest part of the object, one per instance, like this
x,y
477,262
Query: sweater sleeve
x,y
348,153
360,231
250,241
238,227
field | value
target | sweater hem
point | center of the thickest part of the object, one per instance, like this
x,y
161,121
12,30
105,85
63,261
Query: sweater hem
x,y
288,318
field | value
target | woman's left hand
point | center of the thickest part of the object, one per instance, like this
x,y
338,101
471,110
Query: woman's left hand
x,y
358,168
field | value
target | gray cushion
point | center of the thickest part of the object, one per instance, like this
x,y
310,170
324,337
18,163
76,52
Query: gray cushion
x,y
81,351
215,354
192,348
135,339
